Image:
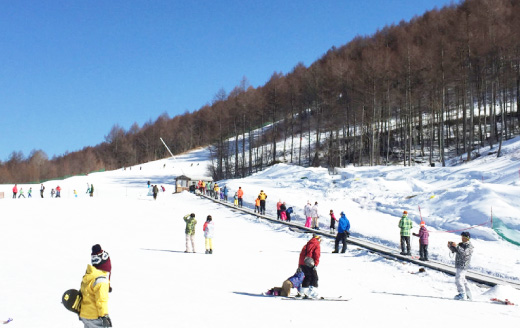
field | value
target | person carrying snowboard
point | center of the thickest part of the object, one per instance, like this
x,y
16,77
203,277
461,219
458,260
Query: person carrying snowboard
x,y
190,231
463,252
95,287
405,224
308,261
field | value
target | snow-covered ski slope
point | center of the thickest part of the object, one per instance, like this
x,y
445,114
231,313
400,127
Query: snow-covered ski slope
x,y
46,247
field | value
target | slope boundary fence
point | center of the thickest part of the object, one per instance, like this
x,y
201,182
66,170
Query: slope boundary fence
x,y
380,249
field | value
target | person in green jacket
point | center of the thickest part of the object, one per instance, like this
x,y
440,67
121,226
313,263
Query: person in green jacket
x,y
190,231
405,224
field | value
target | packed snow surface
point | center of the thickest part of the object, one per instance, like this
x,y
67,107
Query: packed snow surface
x,y
46,246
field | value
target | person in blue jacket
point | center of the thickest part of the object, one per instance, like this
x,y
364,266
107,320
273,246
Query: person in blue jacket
x,y
343,233
294,281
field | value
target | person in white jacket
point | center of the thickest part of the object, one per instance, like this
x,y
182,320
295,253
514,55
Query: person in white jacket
x,y
315,216
308,214
208,234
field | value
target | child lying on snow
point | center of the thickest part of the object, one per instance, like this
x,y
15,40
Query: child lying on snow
x,y
294,281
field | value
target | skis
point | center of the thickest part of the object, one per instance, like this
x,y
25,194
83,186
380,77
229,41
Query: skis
x,y
329,299
500,301
7,321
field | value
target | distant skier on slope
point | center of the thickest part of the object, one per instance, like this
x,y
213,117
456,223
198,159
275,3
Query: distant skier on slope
x,y
463,252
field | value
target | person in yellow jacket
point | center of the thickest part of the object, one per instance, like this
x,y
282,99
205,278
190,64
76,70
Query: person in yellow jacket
x,y
95,286
262,196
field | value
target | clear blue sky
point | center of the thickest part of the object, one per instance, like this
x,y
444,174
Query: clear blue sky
x,y
70,70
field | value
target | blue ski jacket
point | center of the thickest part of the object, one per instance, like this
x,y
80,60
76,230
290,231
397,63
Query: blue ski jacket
x,y
344,224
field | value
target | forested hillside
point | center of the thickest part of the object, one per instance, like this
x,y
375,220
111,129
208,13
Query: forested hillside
x,y
445,83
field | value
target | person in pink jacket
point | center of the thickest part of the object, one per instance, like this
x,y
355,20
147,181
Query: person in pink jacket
x,y
423,242
15,190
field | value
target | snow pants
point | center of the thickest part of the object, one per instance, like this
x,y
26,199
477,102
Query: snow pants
x,y
92,323
189,238
462,283
262,207
208,242
311,276
405,240
308,222
341,237
423,251
315,222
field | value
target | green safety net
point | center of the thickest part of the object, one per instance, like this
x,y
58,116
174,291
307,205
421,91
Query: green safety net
x,y
510,235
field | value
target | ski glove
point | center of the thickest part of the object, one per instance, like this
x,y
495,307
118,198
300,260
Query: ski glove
x,y
107,323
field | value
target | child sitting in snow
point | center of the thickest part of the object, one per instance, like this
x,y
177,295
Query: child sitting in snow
x,y
294,281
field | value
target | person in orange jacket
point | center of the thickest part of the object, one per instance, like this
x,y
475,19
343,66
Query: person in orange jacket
x,y
15,190
257,205
240,195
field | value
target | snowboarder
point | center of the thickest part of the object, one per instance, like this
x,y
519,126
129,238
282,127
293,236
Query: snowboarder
x,y
423,242
294,281
343,233
190,231
21,193
95,287
308,261
315,216
405,224
208,229
463,252
333,221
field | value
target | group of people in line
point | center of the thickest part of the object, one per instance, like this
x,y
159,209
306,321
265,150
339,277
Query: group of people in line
x,y
153,190
55,193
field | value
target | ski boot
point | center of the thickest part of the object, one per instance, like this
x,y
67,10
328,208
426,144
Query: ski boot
x,y
461,296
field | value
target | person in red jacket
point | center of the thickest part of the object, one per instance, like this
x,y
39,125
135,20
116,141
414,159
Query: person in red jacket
x,y
15,190
309,260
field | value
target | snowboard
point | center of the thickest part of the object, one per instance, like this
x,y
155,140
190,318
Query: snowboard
x,y
7,321
71,299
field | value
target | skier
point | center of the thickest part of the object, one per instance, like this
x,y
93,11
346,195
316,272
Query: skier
x,y
155,190
307,213
240,194
216,191
333,221
343,233
309,260
91,190
257,205
95,287
463,252
88,189
278,204
423,242
262,196
283,212
29,194
225,191
21,193
42,189
52,193
15,190
190,231
294,281
208,234
315,216
235,199
405,224
58,191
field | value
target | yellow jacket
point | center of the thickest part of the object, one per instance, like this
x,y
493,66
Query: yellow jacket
x,y
262,196
94,288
